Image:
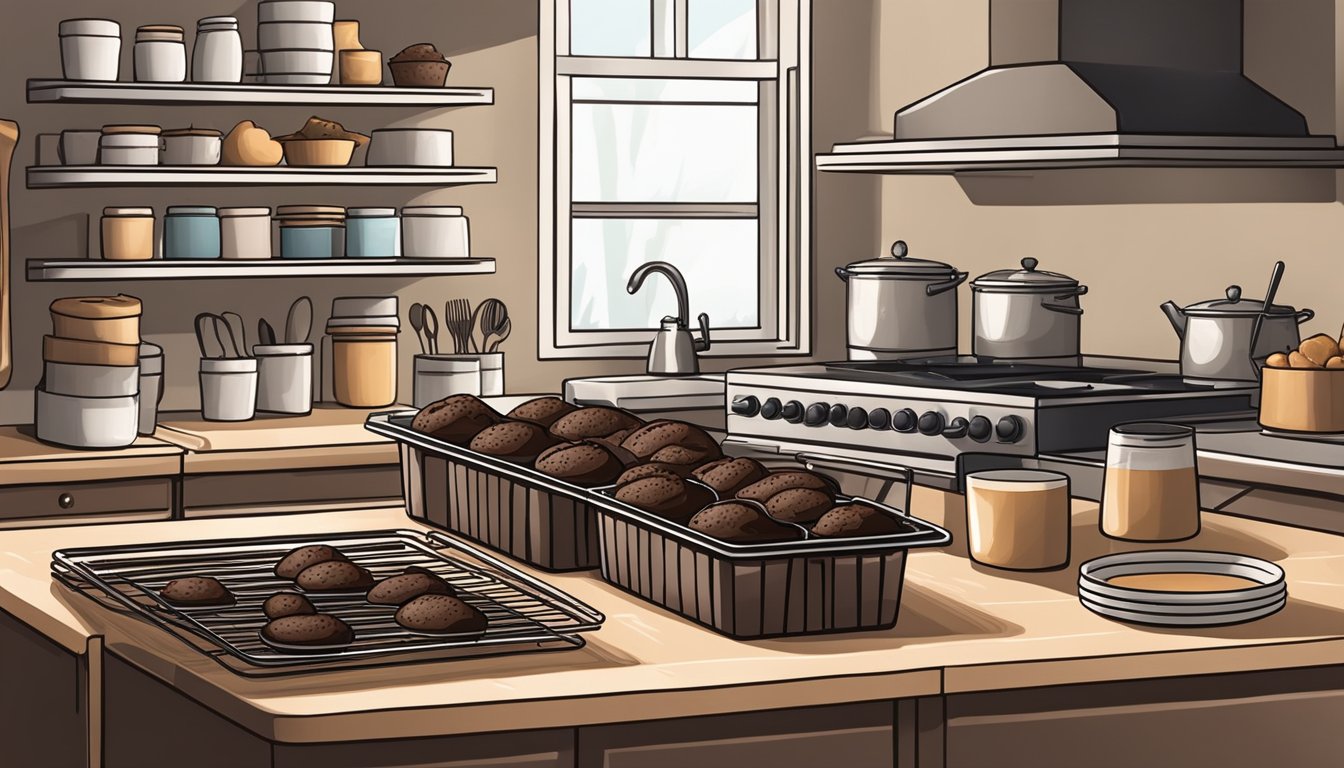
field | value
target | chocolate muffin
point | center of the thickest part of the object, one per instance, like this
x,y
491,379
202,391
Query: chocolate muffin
x,y
518,441
316,629
441,614
775,482
293,563
334,576
542,410
742,523
680,446
283,604
420,65
728,476
799,505
641,471
667,496
455,419
613,443
402,588
197,592
596,421
860,520
584,464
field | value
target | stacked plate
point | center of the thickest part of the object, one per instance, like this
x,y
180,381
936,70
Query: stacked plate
x,y
1180,588
295,40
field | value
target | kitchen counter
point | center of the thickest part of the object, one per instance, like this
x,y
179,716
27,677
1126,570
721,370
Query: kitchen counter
x,y
25,461
963,628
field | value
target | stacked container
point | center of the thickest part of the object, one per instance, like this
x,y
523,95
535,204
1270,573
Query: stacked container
x,y
363,332
296,41
89,395
90,49
311,231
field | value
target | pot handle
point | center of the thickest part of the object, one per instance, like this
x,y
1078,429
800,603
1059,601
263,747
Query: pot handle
x,y
933,289
1304,315
842,273
1060,308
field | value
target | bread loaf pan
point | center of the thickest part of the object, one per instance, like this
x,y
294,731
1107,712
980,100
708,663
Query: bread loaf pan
x,y
513,509
814,586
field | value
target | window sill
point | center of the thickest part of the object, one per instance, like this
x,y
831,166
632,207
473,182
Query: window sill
x,y
731,349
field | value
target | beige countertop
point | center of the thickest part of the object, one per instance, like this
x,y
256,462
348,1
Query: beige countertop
x,y
962,628
24,460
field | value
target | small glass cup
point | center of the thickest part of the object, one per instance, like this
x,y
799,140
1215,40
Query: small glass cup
x,y
1018,519
1152,484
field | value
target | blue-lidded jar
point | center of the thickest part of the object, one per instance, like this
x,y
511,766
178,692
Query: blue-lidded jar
x,y
372,233
311,231
191,232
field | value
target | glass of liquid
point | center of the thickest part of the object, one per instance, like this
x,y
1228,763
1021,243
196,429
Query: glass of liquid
x,y
1152,485
1018,519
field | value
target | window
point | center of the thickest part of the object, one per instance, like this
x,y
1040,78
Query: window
x,y
676,137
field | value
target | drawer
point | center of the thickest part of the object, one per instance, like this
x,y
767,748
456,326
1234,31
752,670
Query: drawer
x,y
235,491
103,497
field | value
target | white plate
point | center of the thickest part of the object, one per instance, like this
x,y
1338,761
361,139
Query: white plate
x,y
1178,609
1095,575
1201,620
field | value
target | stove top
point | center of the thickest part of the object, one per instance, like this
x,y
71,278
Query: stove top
x,y
1022,379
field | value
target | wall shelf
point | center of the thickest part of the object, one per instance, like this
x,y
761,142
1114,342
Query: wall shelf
x,y
47,270
40,177
90,92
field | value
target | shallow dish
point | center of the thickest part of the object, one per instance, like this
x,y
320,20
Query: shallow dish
x,y
411,147
1262,578
1186,620
318,152
1179,609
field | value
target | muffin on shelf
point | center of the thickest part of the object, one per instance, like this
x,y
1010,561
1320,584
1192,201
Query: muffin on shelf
x,y
419,66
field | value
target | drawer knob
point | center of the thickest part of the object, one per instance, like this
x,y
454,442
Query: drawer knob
x,y
66,501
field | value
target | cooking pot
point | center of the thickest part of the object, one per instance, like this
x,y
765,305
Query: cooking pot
x,y
899,307
1216,335
1026,314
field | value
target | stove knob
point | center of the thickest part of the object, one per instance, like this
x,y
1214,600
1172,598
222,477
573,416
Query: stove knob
x,y
857,419
879,418
980,429
930,423
772,408
792,411
1010,429
746,405
957,428
817,414
839,415
904,420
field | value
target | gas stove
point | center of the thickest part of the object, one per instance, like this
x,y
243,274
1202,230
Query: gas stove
x,y
924,414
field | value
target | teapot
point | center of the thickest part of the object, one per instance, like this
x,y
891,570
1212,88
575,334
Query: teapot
x,y
1217,335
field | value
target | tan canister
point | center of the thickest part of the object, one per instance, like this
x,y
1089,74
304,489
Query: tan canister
x,y
76,352
364,366
113,319
1302,400
128,234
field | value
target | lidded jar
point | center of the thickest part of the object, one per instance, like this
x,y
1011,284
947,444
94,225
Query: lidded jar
x,y
160,54
901,307
1026,314
1151,492
218,55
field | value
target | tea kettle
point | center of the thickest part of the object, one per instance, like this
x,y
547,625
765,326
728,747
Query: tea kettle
x,y
673,349
1218,337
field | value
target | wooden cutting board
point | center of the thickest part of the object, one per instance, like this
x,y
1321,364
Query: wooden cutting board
x,y
9,138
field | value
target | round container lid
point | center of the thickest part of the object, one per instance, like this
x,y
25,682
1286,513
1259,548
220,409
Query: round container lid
x,y
899,264
312,224
153,130
1233,304
193,132
308,210
432,210
371,213
192,210
158,33
376,331
129,212
1028,278
386,321
218,22
90,27
227,213
97,307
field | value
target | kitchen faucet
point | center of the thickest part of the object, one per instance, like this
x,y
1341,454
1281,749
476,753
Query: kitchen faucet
x,y
673,350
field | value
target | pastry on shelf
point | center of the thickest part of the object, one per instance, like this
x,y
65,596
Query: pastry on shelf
x,y
419,66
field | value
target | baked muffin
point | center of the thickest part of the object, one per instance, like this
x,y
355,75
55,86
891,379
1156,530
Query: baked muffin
x,y
799,505
641,471
678,445
318,629
334,576
283,604
859,520
441,614
293,563
775,482
742,523
455,419
584,464
596,421
542,410
402,588
667,496
728,476
419,66
197,592
517,441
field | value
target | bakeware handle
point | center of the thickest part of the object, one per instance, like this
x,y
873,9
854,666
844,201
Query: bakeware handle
x,y
876,470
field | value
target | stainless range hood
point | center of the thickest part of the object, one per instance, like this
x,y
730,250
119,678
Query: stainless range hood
x,y
1095,83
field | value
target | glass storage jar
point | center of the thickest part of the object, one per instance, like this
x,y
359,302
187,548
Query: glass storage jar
x,y
218,55
160,54
1151,491
191,232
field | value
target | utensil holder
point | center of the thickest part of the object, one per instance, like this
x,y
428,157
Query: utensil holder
x,y
492,372
438,376
228,388
284,378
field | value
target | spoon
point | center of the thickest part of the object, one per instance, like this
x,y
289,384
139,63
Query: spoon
x,y
265,333
418,325
238,331
493,314
432,330
300,318
1275,277
501,334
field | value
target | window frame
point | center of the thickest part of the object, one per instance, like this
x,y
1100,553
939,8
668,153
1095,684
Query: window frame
x,y
784,186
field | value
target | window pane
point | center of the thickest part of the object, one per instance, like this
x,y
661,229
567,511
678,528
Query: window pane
x,y
654,89
721,29
664,153
719,259
610,27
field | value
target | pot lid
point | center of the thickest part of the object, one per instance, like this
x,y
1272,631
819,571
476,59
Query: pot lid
x,y
899,264
1234,304
97,307
1028,278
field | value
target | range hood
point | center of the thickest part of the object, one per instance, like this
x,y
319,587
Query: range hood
x,y
1096,83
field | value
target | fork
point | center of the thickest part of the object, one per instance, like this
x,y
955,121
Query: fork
x,y
457,319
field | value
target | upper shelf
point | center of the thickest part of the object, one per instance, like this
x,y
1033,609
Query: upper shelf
x,y
93,92
45,270
204,176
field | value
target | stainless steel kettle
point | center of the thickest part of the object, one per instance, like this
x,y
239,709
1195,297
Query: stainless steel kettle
x,y
1217,336
673,351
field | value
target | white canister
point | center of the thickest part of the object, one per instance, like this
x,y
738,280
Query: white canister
x,y
438,376
492,373
218,55
151,386
245,233
90,49
190,146
74,380
228,388
284,378
435,232
87,422
129,145
79,147
160,54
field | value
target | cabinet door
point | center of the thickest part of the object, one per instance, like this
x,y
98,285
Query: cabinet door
x,y
28,504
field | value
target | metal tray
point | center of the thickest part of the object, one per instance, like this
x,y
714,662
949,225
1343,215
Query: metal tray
x,y
525,614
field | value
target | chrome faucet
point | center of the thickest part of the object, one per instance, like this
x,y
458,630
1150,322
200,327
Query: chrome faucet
x,y
673,350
